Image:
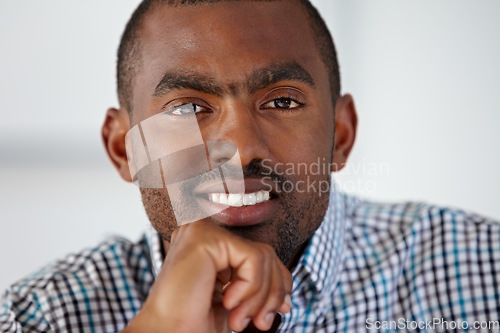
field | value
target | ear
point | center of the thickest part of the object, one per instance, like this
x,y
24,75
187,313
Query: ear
x,y
346,123
115,127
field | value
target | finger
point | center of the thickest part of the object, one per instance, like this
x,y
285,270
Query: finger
x,y
288,285
249,295
248,278
264,319
241,315
254,296
287,304
287,278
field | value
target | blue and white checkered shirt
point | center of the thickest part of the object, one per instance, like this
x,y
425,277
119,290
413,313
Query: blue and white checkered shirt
x,y
407,267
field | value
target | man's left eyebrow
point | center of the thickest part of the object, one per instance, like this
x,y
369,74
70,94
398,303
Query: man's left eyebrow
x,y
264,77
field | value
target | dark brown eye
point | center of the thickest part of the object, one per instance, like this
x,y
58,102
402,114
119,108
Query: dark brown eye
x,y
282,103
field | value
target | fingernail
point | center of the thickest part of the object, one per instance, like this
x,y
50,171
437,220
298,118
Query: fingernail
x,y
269,318
246,322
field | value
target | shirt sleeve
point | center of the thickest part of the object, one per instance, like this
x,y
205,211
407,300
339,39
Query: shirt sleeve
x,y
21,314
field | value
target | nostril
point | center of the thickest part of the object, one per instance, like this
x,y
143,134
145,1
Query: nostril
x,y
219,161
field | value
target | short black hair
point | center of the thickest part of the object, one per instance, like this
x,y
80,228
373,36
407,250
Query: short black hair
x,y
129,51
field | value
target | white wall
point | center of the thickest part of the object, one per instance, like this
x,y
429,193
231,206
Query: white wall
x,y
424,75
426,79
58,192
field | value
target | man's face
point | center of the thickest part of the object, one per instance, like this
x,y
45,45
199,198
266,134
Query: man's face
x,y
253,74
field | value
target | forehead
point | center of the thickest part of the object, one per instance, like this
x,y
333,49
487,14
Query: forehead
x,y
226,40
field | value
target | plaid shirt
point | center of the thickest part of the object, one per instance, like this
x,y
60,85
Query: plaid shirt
x,y
388,266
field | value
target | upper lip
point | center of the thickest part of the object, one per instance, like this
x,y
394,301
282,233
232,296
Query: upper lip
x,y
247,185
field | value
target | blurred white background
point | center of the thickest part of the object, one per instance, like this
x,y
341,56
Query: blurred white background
x,y
424,74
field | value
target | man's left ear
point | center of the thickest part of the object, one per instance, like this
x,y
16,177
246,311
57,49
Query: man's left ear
x,y
346,123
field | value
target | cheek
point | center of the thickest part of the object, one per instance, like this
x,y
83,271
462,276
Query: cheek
x,y
302,141
159,210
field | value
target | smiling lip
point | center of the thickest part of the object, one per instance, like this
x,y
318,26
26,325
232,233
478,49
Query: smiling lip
x,y
251,212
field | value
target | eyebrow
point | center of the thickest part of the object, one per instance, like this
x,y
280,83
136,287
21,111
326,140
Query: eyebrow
x,y
275,73
185,80
259,79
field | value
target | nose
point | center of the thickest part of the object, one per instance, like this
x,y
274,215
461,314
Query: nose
x,y
238,125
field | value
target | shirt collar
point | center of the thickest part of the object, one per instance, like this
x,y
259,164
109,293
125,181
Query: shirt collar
x,y
321,260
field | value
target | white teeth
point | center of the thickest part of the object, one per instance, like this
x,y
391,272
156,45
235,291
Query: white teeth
x,y
214,197
259,197
266,196
249,199
235,200
239,199
222,198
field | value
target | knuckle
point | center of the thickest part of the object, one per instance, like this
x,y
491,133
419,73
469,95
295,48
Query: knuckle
x,y
276,297
258,258
257,304
268,249
255,285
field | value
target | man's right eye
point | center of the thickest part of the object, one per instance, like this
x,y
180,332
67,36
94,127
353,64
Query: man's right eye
x,y
187,109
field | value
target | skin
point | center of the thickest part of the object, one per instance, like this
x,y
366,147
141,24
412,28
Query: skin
x,y
203,254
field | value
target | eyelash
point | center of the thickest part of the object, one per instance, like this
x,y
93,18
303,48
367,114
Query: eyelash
x,y
292,99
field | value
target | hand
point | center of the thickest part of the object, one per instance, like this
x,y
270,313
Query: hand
x,y
188,295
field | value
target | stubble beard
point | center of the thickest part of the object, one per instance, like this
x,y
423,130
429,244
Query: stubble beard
x,y
294,224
